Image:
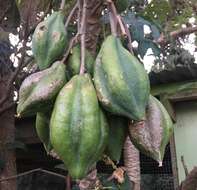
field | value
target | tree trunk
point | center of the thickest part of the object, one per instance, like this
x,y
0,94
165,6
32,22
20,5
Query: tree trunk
x,y
7,136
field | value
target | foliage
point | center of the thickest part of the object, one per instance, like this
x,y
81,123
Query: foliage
x,y
145,41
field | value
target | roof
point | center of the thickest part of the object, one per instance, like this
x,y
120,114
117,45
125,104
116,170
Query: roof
x,y
181,73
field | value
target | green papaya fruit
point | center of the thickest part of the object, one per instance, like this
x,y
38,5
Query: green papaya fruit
x,y
78,127
121,5
121,81
49,40
73,66
118,127
42,129
152,135
39,90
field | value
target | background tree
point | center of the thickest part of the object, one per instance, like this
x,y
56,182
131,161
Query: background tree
x,y
162,27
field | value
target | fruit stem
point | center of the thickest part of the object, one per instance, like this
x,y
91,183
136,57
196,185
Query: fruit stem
x,y
62,5
112,17
71,14
71,44
115,19
83,36
122,27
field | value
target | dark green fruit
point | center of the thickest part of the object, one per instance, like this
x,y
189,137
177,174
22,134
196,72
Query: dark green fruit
x,y
42,129
78,127
152,135
118,127
121,81
39,90
49,40
74,62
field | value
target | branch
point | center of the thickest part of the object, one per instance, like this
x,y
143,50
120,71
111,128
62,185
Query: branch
x,y
79,15
70,16
17,70
122,26
62,5
176,34
70,46
14,74
128,36
83,36
115,19
26,35
112,17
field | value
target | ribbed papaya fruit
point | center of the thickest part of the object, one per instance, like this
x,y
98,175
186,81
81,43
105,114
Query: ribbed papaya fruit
x,y
39,90
121,5
118,127
49,40
78,127
42,129
152,135
73,65
121,81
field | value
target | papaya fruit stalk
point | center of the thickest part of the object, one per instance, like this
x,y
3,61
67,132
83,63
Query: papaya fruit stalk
x,y
112,17
83,36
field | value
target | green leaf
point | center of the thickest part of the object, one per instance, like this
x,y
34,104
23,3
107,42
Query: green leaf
x,y
136,28
178,20
145,44
158,11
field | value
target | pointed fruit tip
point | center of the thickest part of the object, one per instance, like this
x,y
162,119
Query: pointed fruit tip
x,y
18,115
160,163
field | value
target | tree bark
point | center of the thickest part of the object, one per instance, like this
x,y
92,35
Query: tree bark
x,y
7,136
93,27
132,163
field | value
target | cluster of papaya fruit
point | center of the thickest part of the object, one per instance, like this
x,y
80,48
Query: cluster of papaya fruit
x,y
83,116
